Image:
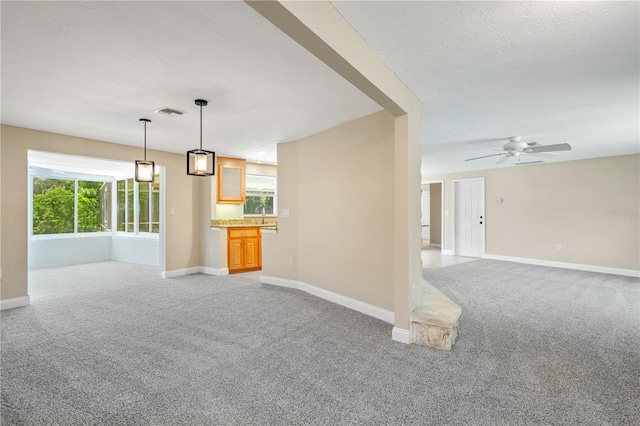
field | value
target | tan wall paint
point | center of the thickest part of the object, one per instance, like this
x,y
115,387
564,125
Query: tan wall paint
x,y
262,169
183,229
435,213
337,185
278,247
322,30
566,203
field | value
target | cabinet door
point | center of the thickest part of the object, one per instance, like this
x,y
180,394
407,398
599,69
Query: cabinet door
x,y
251,253
235,254
231,180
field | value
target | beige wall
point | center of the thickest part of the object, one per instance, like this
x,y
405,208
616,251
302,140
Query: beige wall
x,y
183,229
590,207
322,30
435,213
338,186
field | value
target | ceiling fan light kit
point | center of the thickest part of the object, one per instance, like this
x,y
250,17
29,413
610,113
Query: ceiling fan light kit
x,y
516,149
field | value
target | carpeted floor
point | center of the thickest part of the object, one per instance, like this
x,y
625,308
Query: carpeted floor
x,y
109,343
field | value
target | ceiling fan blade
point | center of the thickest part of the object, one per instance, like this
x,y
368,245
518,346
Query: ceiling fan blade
x,y
502,160
548,148
485,156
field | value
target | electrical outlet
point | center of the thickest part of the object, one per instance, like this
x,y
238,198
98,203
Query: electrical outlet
x,y
290,260
211,251
558,246
285,213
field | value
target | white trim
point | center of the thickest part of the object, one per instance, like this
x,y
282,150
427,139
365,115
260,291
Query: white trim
x,y
453,214
435,245
280,282
566,265
400,335
180,272
347,302
16,302
447,252
214,271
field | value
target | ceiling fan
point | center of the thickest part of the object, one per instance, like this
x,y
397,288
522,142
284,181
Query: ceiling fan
x,y
517,149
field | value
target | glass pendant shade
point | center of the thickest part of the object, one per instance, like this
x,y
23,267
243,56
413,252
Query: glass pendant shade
x,y
144,168
200,162
144,171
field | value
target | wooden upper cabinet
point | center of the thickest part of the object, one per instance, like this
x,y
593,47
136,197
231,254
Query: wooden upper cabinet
x,y
231,180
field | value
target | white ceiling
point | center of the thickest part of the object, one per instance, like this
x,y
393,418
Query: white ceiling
x,y
92,69
551,72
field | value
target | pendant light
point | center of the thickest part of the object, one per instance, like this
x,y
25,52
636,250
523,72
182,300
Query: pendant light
x,y
144,168
199,161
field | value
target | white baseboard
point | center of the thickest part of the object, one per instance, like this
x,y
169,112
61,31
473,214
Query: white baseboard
x,y
180,272
566,265
214,271
447,252
16,302
400,335
280,282
347,302
434,245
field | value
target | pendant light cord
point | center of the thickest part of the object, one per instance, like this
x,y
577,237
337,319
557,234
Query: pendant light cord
x,y
145,141
200,127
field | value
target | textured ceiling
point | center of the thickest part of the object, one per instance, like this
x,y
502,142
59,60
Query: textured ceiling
x,y
92,69
551,72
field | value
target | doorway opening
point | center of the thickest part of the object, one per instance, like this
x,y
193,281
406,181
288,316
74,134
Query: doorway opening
x,y
84,210
432,221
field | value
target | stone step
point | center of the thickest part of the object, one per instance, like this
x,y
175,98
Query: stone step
x,y
434,323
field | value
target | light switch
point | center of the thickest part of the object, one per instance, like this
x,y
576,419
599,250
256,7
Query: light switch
x,y
172,211
285,213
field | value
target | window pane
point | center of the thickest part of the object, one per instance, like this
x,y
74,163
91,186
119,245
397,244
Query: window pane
x,y
89,206
53,206
260,192
143,197
130,205
254,205
155,228
121,206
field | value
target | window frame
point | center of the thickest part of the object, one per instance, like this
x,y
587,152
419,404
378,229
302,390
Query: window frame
x,y
42,173
248,194
136,209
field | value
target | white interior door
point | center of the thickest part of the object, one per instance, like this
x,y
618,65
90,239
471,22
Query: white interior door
x,y
469,217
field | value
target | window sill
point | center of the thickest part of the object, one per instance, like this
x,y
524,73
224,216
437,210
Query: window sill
x,y
44,237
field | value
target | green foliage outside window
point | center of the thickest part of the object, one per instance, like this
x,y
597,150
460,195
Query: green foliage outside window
x,y
54,206
254,205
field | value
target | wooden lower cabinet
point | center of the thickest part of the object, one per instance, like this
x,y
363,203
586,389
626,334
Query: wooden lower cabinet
x,y
244,249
